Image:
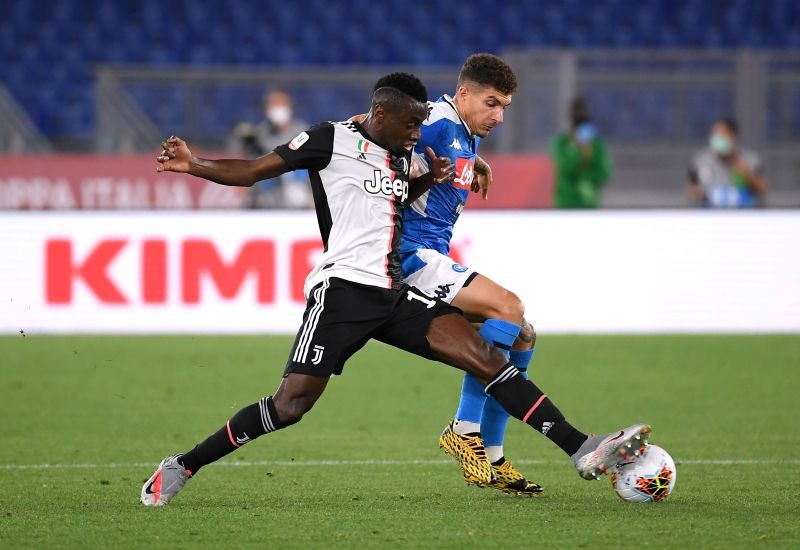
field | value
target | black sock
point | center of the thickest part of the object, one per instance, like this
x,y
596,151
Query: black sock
x,y
249,423
523,400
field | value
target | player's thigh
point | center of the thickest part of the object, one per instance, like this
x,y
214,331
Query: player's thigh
x,y
339,319
407,327
454,341
437,274
435,330
485,299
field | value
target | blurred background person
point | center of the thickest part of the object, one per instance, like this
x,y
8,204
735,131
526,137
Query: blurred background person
x,y
278,127
723,175
580,159
657,76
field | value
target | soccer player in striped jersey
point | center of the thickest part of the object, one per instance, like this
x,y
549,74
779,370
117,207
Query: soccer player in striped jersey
x,y
360,179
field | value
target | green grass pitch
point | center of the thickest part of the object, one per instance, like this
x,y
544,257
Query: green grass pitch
x,y
363,469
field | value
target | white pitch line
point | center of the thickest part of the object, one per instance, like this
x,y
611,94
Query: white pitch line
x,y
304,463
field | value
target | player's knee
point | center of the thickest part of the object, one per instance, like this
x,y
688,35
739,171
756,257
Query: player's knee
x,y
291,410
509,308
486,361
527,334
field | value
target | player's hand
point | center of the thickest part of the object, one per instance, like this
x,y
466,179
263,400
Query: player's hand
x,y
482,182
175,156
441,167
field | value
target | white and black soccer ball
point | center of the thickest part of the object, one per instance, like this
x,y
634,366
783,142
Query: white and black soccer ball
x,y
647,478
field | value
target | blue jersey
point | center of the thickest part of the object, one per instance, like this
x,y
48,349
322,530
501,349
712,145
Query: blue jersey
x,y
428,222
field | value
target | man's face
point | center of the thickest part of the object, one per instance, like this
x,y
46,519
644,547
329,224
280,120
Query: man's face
x,y
278,108
482,107
722,139
401,125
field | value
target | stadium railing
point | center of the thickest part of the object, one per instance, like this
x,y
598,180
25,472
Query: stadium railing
x,y
654,107
18,134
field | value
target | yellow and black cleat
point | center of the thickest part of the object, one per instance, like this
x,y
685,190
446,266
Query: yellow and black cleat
x,y
469,452
511,481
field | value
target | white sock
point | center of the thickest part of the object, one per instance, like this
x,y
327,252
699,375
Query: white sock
x,y
464,427
494,452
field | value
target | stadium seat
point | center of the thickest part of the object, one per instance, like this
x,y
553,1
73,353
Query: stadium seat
x,y
71,37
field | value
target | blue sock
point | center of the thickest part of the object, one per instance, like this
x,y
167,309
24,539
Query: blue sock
x,y
496,333
472,399
500,334
521,359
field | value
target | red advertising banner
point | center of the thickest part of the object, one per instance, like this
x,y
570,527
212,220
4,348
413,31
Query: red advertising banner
x,y
114,182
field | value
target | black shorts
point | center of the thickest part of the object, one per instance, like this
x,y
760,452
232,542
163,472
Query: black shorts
x,y
341,316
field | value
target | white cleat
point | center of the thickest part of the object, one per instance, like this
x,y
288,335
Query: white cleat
x,y
600,453
165,483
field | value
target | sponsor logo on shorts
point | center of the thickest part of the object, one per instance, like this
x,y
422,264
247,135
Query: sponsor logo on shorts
x,y
459,268
442,291
318,350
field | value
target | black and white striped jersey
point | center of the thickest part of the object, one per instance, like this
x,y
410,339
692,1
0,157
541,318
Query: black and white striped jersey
x,y
359,191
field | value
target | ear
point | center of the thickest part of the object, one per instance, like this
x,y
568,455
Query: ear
x,y
462,91
378,112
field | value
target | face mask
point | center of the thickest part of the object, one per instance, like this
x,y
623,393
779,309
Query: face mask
x,y
720,144
279,115
585,133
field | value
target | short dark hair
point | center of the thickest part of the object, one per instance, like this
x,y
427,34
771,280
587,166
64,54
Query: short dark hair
x,y
579,111
730,123
406,83
487,69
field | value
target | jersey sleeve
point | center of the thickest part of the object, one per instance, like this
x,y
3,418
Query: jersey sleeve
x,y
310,150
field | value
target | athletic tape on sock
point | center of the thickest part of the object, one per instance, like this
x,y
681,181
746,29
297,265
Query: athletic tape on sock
x,y
499,333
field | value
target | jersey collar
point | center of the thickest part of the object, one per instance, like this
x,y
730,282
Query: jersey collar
x,y
361,130
449,100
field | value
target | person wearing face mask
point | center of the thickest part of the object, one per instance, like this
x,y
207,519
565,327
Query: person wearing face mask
x,y
725,175
581,161
279,126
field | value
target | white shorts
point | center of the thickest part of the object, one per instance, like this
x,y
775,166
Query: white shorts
x,y
441,276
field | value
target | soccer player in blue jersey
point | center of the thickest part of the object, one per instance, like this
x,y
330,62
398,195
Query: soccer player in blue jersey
x,y
454,128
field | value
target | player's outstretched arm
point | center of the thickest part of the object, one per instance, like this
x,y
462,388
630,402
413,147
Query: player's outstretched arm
x,y
176,157
441,170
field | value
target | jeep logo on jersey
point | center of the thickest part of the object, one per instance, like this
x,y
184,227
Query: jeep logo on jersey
x,y
465,171
381,183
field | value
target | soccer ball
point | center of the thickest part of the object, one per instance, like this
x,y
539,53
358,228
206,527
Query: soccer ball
x,y
647,478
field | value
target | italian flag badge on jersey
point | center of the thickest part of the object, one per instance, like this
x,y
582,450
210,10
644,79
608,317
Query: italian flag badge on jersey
x,y
362,146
